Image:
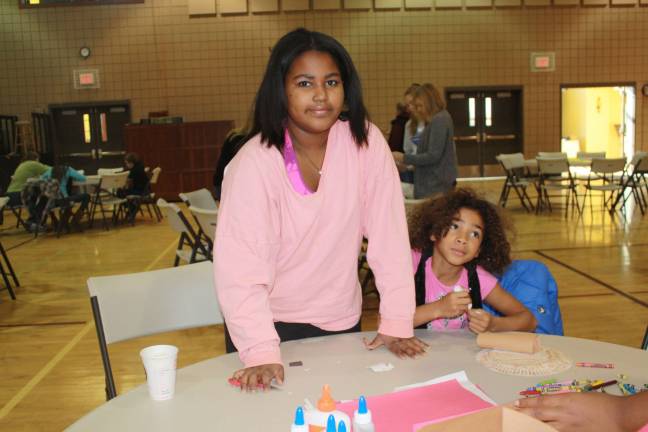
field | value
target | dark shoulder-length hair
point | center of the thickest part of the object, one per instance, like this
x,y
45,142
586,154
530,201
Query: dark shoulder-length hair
x,y
434,217
270,105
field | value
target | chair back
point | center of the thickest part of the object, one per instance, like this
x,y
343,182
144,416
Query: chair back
x,y
552,155
155,176
608,166
206,219
639,162
511,161
590,155
551,166
532,284
176,218
3,202
114,181
200,198
103,171
141,304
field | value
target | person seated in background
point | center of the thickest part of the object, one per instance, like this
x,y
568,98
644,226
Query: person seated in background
x,y
589,412
138,180
30,167
137,183
57,194
233,142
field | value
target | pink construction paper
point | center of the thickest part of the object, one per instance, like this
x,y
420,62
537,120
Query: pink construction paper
x,y
418,426
644,429
400,411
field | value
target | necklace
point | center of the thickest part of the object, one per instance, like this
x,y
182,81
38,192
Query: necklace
x,y
313,164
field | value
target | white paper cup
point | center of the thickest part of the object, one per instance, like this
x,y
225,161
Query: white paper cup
x,y
160,366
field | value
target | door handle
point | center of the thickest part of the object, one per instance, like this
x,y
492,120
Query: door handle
x,y
467,138
498,137
111,153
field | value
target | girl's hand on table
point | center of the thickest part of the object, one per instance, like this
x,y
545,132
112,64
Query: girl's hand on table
x,y
402,347
259,377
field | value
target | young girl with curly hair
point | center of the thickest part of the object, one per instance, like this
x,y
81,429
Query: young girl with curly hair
x,y
459,242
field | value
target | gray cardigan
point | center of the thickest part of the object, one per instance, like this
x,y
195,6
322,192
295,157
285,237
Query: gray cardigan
x,y
435,161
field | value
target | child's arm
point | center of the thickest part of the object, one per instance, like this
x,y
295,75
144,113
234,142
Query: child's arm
x,y
515,317
450,306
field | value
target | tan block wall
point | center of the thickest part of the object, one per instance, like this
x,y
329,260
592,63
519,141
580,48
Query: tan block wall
x,y
209,67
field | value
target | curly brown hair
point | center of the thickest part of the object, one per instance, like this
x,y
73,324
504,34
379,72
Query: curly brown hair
x,y
434,217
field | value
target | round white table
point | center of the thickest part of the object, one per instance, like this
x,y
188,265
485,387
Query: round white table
x,y
205,401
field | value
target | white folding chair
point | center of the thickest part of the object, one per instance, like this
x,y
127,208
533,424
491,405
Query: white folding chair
x,y
514,167
554,175
207,221
200,198
203,199
4,261
552,155
188,236
602,179
106,195
634,178
139,304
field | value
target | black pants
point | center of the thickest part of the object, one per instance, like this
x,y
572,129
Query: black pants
x,y
293,331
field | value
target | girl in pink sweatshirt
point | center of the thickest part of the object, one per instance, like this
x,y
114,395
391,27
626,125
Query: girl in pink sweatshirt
x,y
314,178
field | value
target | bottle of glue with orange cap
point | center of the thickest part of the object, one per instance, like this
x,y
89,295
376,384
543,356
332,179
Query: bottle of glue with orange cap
x,y
317,418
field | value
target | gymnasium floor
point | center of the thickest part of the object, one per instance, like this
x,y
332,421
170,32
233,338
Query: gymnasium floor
x,y
51,370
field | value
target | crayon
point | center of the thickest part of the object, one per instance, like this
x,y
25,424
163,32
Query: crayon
x,y
599,385
596,365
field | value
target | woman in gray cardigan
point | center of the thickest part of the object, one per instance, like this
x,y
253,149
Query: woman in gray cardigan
x,y
435,161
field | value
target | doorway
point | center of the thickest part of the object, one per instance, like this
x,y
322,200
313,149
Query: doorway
x,y
598,119
90,136
487,122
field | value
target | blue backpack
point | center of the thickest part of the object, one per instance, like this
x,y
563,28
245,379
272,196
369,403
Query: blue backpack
x,y
533,285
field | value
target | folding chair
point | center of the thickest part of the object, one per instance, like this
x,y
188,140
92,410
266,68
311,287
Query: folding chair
x,y
106,195
188,236
552,155
514,167
17,212
4,262
140,304
634,178
554,175
602,179
590,155
203,199
149,200
206,220
200,198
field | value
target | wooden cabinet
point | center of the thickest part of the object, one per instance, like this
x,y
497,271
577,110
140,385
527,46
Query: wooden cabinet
x,y
186,152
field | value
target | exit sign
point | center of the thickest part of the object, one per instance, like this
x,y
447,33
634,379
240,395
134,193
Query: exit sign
x,y
543,62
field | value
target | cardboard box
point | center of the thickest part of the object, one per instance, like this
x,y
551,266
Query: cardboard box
x,y
498,419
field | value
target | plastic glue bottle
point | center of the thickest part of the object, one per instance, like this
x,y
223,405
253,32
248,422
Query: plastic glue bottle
x,y
362,421
299,425
317,419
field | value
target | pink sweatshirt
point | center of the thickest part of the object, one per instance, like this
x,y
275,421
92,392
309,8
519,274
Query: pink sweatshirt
x,y
282,256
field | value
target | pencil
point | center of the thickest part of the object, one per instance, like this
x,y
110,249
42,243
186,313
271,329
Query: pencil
x,y
598,386
596,365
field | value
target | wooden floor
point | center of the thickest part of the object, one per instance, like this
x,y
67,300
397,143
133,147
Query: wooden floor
x,y
50,367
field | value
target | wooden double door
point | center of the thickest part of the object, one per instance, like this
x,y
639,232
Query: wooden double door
x,y
90,136
487,122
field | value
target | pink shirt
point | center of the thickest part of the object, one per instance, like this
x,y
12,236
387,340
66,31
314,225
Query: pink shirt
x,y
435,290
283,256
